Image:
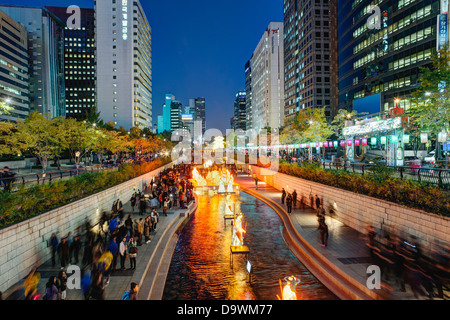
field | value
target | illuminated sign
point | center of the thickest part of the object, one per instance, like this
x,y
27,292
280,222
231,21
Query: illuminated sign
x,y
442,31
124,19
375,126
444,6
187,117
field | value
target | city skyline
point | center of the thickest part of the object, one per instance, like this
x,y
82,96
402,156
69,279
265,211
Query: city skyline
x,y
204,62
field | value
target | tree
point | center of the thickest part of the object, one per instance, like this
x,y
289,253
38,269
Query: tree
x,y
340,121
41,137
5,108
430,107
79,139
11,143
93,117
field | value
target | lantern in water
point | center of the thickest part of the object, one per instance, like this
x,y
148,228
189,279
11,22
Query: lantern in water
x,y
288,291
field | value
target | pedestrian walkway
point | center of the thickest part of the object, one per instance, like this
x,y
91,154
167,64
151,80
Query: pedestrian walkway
x,y
346,247
150,256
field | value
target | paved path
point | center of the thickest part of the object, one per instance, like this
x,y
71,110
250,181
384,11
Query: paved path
x,y
346,247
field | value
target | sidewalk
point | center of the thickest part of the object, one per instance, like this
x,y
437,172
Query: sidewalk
x,y
149,258
346,247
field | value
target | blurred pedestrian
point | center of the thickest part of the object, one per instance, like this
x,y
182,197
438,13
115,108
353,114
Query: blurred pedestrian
x,y
289,201
133,202
51,290
62,285
283,195
54,243
147,227
97,291
64,252
294,198
140,231
323,233
317,202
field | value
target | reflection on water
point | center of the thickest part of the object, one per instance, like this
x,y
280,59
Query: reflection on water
x,y
201,267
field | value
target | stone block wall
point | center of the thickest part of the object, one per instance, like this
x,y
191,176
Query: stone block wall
x,y
359,211
26,244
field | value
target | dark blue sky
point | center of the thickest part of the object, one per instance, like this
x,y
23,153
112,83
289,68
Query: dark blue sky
x,y
199,47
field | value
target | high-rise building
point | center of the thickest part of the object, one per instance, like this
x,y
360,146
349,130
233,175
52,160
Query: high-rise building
x,y
248,91
307,56
13,69
239,119
197,107
267,79
124,56
176,110
382,50
46,58
79,62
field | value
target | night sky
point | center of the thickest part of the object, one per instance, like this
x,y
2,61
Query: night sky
x,y
199,48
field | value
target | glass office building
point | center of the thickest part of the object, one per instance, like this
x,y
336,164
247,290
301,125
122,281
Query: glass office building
x,y
382,46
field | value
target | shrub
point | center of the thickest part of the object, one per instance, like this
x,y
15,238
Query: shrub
x,y
37,199
378,183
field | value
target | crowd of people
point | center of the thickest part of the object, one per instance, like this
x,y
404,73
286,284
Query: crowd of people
x,y
403,262
117,237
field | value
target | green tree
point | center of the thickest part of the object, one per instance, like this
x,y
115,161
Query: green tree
x,y
41,137
11,143
79,139
430,107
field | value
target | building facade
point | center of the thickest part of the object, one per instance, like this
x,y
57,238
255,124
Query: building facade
x,y
248,91
307,56
13,70
197,108
239,119
381,51
267,79
46,58
79,62
124,72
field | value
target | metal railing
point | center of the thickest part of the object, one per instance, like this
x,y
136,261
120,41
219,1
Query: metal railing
x,y
42,178
436,176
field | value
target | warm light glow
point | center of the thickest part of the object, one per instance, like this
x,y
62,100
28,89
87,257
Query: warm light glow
x,y
288,291
238,232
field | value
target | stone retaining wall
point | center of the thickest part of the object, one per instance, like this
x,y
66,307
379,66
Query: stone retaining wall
x,y
359,211
25,244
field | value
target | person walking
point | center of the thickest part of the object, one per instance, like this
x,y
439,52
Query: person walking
x,y
294,198
54,242
8,178
142,206
114,249
323,233
283,196
123,252
289,201
62,285
64,252
140,231
317,202
51,290
166,205
133,202
132,293
132,252
147,227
